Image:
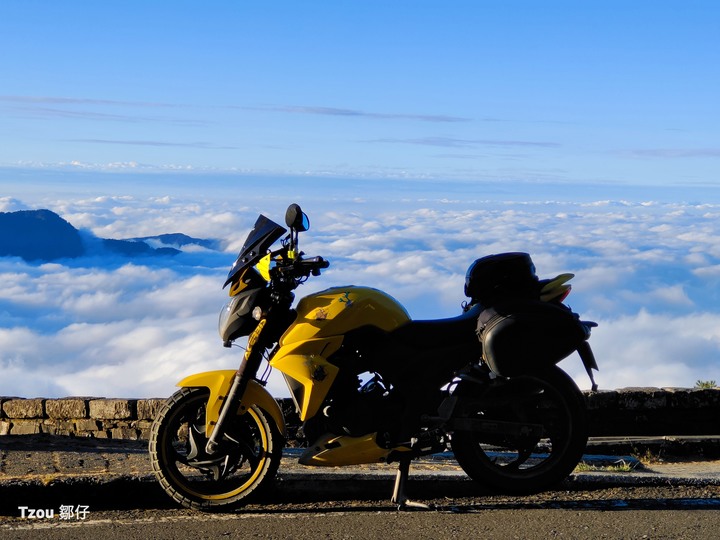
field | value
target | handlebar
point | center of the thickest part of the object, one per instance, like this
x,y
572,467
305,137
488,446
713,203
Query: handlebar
x,y
317,262
304,267
313,264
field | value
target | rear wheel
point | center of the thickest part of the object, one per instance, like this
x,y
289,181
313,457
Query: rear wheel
x,y
528,460
246,461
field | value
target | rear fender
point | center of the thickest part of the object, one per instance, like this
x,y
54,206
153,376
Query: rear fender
x,y
219,382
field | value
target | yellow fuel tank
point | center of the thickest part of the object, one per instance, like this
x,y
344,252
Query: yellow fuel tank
x,y
336,311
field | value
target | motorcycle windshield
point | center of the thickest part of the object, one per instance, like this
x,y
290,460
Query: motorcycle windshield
x,y
261,237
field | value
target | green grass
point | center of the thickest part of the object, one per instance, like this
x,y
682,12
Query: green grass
x,y
618,467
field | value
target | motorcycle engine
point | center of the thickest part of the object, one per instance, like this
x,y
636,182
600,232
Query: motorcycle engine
x,y
354,408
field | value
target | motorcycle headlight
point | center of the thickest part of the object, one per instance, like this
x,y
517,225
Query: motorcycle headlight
x,y
236,319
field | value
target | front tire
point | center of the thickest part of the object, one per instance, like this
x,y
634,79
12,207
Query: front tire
x,y
516,463
246,462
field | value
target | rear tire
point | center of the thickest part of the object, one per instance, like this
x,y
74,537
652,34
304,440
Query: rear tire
x,y
522,463
246,462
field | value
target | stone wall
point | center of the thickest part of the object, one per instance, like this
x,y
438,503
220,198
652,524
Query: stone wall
x,y
624,412
79,417
654,411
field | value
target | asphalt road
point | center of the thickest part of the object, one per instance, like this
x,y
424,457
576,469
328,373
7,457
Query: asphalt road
x,y
573,511
510,523
97,490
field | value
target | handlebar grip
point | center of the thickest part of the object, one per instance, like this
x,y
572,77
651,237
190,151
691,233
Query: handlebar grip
x,y
317,262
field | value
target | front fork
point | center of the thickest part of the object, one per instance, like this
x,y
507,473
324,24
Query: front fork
x,y
248,369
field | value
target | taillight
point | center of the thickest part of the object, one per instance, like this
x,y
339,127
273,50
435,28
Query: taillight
x,y
564,295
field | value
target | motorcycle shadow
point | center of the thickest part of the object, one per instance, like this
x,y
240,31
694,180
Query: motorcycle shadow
x,y
372,493
459,496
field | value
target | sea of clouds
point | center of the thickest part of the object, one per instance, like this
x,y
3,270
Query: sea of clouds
x,y
647,268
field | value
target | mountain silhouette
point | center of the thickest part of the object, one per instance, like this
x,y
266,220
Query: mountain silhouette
x,y
42,235
178,239
38,235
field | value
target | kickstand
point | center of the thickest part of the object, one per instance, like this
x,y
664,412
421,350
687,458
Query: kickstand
x,y
399,497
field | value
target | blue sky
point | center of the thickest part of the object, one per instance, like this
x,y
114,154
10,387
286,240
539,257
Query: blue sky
x,y
417,135
618,92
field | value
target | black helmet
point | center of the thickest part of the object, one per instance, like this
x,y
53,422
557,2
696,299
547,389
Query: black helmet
x,y
501,276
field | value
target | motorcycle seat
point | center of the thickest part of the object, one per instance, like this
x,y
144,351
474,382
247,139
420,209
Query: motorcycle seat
x,y
439,332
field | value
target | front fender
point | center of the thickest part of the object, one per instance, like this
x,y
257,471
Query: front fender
x,y
219,382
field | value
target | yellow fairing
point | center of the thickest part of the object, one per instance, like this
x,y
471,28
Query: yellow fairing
x,y
219,382
239,285
311,375
339,450
336,451
322,321
263,266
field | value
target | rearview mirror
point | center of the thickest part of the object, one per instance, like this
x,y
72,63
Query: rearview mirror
x,y
296,219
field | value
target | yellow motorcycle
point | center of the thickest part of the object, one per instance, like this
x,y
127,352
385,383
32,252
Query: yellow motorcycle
x,y
373,386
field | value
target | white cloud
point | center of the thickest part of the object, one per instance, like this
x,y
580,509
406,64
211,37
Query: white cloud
x,y
9,204
647,349
647,272
708,271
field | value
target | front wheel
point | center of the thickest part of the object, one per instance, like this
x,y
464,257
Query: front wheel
x,y
521,460
246,461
